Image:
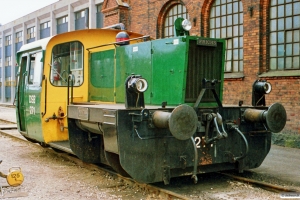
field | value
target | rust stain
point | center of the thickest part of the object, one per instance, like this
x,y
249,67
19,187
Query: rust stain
x,y
205,159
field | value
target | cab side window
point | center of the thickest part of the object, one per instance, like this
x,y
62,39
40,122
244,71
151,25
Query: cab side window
x,y
35,69
67,59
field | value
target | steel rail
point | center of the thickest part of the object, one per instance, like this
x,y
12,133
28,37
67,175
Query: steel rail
x,y
261,184
7,121
147,187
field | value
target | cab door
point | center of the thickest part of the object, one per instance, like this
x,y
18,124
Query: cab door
x,y
20,94
30,95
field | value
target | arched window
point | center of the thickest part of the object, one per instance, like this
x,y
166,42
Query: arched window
x,y
284,34
174,12
226,21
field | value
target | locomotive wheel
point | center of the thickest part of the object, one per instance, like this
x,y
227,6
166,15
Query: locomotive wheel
x,y
114,162
44,145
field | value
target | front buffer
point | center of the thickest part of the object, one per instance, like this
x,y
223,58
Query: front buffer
x,y
152,148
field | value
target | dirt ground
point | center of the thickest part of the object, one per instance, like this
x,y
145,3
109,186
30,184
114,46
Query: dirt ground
x,y
47,176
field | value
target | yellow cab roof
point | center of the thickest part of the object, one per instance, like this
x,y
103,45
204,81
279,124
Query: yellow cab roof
x,y
90,37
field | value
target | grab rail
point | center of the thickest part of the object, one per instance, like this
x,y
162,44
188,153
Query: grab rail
x,y
70,78
45,108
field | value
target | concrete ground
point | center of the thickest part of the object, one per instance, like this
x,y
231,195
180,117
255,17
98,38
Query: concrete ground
x,y
282,162
8,113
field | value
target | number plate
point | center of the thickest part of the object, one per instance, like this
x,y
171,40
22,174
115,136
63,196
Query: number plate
x,y
204,42
83,113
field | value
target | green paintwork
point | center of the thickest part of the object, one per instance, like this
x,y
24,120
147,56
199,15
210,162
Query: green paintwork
x,y
169,70
134,59
164,63
29,96
33,113
101,87
20,97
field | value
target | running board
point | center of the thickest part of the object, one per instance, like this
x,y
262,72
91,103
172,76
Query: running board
x,y
62,145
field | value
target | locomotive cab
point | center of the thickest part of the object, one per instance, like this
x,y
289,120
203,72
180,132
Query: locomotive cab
x,y
53,73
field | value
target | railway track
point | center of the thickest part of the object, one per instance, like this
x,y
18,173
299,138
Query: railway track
x,y
211,186
261,184
159,192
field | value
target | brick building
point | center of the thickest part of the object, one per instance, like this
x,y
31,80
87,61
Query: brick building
x,y
263,38
263,41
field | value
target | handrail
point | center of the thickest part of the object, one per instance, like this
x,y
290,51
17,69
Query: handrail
x,y
45,108
17,88
70,77
145,38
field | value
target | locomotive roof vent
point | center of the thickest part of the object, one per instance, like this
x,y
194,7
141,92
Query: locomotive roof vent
x,y
122,38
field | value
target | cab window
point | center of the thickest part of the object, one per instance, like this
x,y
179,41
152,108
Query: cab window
x,y
67,59
35,69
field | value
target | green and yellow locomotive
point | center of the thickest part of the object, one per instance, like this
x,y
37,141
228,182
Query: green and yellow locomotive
x,y
151,109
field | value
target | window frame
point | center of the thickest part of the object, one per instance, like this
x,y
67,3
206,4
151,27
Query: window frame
x,y
8,61
62,20
57,63
34,70
171,16
45,25
31,32
99,16
19,36
79,14
7,40
226,21
283,21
